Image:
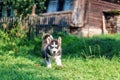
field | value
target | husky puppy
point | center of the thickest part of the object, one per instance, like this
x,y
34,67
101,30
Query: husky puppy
x,y
51,48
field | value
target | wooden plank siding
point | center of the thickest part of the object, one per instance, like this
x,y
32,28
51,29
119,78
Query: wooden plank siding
x,y
96,11
78,14
50,22
55,19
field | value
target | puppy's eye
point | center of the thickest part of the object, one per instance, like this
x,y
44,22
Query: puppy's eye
x,y
51,47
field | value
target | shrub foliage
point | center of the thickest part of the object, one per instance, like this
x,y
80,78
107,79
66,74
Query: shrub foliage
x,y
16,42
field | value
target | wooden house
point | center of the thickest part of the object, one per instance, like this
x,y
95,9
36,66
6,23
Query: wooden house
x,y
82,17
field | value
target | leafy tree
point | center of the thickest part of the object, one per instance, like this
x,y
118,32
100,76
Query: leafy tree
x,y
24,7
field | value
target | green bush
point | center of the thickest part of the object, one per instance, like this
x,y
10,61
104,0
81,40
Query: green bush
x,y
104,45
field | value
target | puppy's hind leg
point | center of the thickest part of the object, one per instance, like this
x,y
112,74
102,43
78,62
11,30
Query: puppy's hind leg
x,y
43,58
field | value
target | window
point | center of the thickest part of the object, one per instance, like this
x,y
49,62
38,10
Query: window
x,y
68,5
52,6
4,11
59,5
11,12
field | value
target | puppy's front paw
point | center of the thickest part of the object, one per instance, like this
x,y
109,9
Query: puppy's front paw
x,y
60,66
49,66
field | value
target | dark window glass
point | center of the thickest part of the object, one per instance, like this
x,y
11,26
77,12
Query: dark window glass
x,y
61,4
52,6
68,5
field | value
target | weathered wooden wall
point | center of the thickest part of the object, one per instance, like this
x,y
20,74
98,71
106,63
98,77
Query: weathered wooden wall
x,y
78,13
96,9
58,21
56,18
38,24
94,14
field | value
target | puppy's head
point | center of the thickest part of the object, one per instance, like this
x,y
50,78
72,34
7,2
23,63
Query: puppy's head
x,y
55,47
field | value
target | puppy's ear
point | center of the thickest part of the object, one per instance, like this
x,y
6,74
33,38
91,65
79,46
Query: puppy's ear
x,y
59,40
48,40
51,36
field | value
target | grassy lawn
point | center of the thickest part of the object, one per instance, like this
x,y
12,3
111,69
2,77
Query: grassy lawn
x,y
30,68
96,58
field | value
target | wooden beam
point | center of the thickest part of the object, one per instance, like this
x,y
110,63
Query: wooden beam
x,y
104,25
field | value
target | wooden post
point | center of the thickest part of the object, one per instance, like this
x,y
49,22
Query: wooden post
x,y
33,10
104,25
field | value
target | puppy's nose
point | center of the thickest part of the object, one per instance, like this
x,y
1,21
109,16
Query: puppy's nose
x,y
54,52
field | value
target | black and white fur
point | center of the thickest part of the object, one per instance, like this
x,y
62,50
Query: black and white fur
x,y
51,48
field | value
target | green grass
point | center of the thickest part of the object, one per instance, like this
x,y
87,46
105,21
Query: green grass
x,y
96,58
25,68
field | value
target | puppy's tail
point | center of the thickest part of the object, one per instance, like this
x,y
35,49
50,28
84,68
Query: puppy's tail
x,y
46,35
